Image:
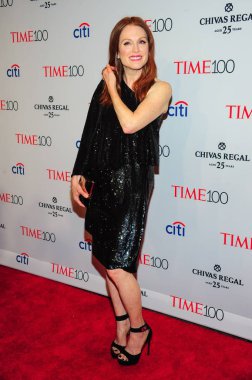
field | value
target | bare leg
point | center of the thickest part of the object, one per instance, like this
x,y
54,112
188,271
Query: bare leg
x,y
115,297
122,327
130,295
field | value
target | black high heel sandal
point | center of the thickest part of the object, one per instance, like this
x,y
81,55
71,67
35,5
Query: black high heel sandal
x,y
115,345
133,359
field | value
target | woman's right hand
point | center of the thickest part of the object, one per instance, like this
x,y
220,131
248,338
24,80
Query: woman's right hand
x,y
78,189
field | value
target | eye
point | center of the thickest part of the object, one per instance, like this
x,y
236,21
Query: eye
x,y
126,43
143,42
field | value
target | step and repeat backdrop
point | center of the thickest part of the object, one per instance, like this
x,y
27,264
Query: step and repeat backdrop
x,y
196,259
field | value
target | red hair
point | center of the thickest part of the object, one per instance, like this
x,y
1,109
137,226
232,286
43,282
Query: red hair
x,y
149,71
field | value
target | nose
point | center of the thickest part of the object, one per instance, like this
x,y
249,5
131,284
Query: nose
x,y
135,47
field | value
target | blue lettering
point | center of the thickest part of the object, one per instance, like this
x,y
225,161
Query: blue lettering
x,y
168,229
81,32
76,33
14,72
22,259
169,111
179,110
87,246
175,230
18,170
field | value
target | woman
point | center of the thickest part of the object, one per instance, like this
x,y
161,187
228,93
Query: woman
x,y
118,150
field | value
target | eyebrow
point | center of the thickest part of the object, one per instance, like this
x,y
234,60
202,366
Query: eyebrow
x,y
129,39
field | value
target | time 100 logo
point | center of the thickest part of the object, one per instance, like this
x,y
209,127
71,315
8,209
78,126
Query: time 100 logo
x,y
160,24
6,3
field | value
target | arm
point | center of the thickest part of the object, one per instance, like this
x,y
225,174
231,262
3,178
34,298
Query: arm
x,y
154,104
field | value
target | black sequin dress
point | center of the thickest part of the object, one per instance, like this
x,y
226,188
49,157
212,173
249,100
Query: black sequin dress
x,y
122,166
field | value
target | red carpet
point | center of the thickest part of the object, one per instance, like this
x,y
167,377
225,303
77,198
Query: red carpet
x,y
54,331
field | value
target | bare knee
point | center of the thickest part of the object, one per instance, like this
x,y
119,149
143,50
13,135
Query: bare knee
x,y
116,275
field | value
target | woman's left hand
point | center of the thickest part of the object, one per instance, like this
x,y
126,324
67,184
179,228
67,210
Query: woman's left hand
x,y
109,77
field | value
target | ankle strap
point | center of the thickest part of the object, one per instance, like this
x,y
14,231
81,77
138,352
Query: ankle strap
x,y
140,329
121,317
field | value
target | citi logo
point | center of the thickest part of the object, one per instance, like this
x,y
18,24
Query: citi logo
x,y
14,71
18,168
56,175
180,109
23,258
238,111
176,228
85,245
83,31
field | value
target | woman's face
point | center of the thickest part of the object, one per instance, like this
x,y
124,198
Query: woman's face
x,y
133,49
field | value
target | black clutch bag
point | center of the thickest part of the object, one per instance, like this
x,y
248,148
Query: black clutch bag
x,y
89,185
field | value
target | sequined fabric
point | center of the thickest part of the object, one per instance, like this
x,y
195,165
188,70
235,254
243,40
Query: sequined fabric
x,y
117,213
103,143
122,167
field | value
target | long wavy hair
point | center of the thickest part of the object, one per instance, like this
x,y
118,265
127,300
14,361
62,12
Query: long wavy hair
x,y
149,71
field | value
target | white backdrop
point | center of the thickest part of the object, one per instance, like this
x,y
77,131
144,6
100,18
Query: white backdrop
x,y
197,256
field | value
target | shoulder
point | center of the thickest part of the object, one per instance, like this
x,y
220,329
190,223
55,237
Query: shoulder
x,y
161,88
160,93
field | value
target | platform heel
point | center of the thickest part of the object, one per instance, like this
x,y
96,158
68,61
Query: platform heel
x,y
133,359
116,348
